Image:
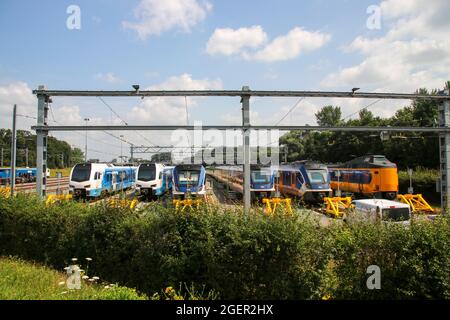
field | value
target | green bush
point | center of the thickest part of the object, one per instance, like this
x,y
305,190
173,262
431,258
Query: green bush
x,y
423,181
236,256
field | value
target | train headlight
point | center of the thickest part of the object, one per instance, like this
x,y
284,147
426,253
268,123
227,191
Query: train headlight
x,y
87,186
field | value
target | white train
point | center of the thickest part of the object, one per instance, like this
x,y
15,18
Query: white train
x,y
153,179
94,180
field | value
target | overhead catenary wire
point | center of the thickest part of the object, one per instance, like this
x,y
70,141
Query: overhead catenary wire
x,y
368,106
290,110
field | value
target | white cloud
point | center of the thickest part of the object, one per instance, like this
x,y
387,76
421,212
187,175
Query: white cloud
x,y
17,93
171,110
291,45
227,41
250,43
107,77
156,16
413,53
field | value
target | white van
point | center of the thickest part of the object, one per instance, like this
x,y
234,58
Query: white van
x,y
381,210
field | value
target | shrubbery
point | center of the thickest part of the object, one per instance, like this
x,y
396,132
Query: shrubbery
x,y
237,256
423,181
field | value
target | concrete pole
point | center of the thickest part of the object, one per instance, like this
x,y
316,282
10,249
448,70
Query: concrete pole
x,y
41,144
26,157
245,100
13,152
444,152
1,164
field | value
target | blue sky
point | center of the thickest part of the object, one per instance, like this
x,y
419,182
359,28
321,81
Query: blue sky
x,y
199,44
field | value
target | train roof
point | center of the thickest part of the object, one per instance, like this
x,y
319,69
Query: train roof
x,y
368,161
189,167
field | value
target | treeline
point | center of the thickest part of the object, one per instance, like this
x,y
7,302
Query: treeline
x,y
60,154
405,149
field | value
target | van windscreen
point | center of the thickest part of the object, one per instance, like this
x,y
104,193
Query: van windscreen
x,y
396,214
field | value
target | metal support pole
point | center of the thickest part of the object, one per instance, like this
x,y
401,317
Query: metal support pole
x,y
13,152
131,154
26,157
245,100
41,145
444,152
85,145
1,164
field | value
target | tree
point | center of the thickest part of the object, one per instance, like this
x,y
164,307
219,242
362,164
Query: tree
x,y
329,116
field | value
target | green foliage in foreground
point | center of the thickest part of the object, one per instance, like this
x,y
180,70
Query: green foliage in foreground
x,y
236,256
21,280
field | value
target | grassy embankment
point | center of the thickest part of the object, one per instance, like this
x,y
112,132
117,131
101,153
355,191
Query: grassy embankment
x,y
20,280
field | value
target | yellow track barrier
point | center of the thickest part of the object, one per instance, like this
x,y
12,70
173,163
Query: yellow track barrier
x,y
417,203
181,205
336,206
273,203
122,203
5,192
57,198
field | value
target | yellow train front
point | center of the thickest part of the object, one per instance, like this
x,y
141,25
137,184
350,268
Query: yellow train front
x,y
371,176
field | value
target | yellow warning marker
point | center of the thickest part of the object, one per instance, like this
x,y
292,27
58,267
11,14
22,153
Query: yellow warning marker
x,y
336,206
57,198
5,192
416,202
181,205
273,203
122,203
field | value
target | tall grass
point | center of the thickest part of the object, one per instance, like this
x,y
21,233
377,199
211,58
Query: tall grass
x,y
237,256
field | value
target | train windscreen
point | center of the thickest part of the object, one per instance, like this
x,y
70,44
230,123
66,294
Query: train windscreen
x,y
147,172
188,177
261,176
317,176
81,172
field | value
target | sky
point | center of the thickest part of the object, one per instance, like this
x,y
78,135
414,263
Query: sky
x,y
378,46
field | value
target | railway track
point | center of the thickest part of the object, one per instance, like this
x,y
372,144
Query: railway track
x,y
53,184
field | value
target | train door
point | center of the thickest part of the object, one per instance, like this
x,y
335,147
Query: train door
x,y
114,181
299,182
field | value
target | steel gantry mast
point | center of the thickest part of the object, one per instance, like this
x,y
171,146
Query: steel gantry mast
x,y
245,94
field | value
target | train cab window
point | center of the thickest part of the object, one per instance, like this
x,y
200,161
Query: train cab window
x,y
188,177
260,176
81,172
317,176
97,176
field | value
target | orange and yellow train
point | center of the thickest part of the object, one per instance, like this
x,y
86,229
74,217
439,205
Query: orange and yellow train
x,y
370,176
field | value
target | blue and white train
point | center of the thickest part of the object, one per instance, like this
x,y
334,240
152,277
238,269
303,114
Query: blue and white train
x,y
189,179
306,180
153,180
23,175
95,180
